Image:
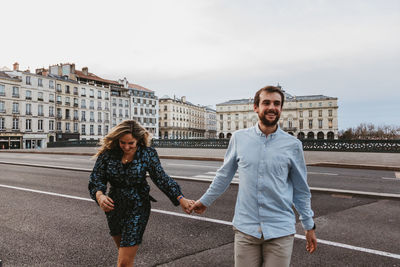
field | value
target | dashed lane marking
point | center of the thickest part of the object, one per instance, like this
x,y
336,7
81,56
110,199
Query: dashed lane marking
x,y
321,241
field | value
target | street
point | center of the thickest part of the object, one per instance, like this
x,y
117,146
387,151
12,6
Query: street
x,y
39,229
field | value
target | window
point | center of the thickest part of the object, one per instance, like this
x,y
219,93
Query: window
x,y
59,113
67,127
67,114
106,97
301,114
76,91
28,110
40,82
99,130
91,116
310,105
58,126
330,112
15,124
40,125
99,116
106,129
120,102
75,127
83,115
28,79
310,113
320,124
126,113
320,113
76,116
301,124
15,92
2,107
135,111
91,129
58,88
59,99
51,111
15,107
51,125
330,104
126,103
91,93
2,90
51,84
330,123
99,94
114,102
67,89
83,129
2,123
98,104
91,105
83,103
28,125
165,108
67,101
51,98
83,92
310,124
28,94
40,96
120,113
106,106
320,104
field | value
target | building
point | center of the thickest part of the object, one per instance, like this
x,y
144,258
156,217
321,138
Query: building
x,y
180,119
311,117
62,103
26,105
211,123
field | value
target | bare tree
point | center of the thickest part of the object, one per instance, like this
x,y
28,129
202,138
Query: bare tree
x,y
371,132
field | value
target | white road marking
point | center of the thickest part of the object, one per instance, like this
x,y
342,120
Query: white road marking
x,y
391,178
190,165
323,173
321,241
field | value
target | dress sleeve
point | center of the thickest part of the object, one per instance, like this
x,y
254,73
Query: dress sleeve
x,y
98,177
165,183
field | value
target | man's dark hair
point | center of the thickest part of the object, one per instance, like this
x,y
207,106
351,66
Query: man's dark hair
x,y
268,89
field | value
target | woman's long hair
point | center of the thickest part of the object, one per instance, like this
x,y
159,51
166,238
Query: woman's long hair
x,y
111,140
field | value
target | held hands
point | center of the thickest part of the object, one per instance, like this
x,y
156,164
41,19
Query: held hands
x,y
189,205
186,204
311,241
105,202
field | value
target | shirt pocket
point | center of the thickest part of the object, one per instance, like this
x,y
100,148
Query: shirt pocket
x,y
278,167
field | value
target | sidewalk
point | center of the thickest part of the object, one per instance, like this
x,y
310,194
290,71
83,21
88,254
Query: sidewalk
x,y
378,161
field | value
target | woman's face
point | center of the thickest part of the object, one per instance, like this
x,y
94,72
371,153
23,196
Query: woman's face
x,y
128,143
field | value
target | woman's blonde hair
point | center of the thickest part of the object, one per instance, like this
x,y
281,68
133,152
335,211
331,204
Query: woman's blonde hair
x,y
111,140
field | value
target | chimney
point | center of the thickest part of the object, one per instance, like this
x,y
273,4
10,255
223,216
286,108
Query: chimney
x,y
16,66
183,99
85,70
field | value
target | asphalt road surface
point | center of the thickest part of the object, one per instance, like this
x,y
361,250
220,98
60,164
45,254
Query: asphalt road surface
x,y
65,228
321,177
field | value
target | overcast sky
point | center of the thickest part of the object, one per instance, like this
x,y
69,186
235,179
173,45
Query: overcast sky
x,y
212,51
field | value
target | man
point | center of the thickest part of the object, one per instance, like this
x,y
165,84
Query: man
x,y
273,178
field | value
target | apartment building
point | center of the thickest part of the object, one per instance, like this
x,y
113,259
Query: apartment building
x,y
26,102
180,119
211,123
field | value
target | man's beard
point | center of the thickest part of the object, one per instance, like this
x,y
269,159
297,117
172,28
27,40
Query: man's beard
x,y
267,122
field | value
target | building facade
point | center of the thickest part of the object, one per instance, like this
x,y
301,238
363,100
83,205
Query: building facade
x,y
311,117
180,119
62,103
211,123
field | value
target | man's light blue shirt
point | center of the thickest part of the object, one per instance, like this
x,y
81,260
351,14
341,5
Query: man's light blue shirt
x,y
272,178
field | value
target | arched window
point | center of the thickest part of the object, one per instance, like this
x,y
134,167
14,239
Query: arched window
x,y
300,135
331,135
320,135
310,135
221,135
228,135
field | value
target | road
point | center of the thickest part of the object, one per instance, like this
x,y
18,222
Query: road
x,y
319,177
38,229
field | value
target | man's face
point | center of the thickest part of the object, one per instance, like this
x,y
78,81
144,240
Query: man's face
x,y
269,109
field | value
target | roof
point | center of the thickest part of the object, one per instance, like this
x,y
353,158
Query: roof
x,y
238,101
138,87
94,77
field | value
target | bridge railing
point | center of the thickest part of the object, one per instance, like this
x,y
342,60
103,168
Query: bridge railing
x,y
310,145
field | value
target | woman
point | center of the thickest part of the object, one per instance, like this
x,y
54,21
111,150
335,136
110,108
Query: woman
x,y
123,159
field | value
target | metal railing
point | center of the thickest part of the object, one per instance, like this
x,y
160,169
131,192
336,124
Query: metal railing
x,y
385,146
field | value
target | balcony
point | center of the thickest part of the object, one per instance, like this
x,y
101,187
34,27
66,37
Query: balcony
x,y
40,114
28,113
91,120
99,97
67,117
59,116
15,95
76,118
58,102
51,114
28,97
51,100
76,105
76,93
91,107
15,112
99,120
40,98
83,119
99,108
67,103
